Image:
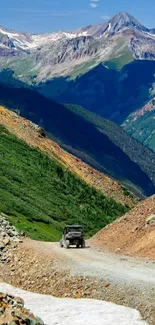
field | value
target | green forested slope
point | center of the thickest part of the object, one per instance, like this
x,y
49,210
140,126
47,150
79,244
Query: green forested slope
x,y
41,196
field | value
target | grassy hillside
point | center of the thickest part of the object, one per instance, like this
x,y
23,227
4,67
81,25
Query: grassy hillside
x,y
79,136
41,196
35,137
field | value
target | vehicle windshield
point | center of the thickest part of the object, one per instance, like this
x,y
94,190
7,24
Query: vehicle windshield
x,y
74,230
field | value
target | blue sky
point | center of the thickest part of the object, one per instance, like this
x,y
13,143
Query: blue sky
x,y
41,16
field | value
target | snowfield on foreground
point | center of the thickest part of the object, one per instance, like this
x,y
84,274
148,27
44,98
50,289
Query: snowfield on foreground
x,y
78,312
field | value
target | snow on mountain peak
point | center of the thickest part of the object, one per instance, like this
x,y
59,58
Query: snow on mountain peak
x,y
27,42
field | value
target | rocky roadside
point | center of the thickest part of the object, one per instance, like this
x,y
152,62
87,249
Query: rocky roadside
x,y
24,266
12,312
9,237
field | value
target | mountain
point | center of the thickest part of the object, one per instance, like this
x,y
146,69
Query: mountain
x,y
35,137
107,92
118,23
107,68
72,53
41,195
95,143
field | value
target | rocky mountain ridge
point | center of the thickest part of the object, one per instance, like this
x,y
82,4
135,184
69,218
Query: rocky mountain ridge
x,y
116,24
65,52
119,23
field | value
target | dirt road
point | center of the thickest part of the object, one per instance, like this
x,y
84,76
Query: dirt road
x,y
83,273
97,263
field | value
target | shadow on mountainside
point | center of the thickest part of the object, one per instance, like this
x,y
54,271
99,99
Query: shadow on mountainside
x,y
77,135
110,93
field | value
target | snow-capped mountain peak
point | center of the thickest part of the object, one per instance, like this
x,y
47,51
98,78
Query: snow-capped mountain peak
x,y
28,42
84,43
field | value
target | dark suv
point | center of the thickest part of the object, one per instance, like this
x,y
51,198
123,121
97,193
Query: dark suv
x,y
73,235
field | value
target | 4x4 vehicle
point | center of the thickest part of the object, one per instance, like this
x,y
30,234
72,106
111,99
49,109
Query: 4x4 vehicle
x,y
73,235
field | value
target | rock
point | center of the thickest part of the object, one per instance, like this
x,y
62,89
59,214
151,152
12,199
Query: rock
x,y
107,285
6,241
2,234
151,219
13,311
1,245
117,250
9,236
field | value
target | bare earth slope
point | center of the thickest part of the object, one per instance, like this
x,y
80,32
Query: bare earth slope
x,y
133,233
31,133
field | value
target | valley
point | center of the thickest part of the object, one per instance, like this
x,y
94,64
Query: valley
x,y
77,147
100,144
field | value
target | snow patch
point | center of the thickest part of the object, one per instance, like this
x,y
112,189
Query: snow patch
x,y
106,33
78,312
149,34
9,34
82,34
25,42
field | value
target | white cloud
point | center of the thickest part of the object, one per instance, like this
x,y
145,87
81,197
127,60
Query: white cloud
x,y
93,5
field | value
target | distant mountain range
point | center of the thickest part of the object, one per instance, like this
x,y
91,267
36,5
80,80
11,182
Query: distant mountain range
x,y
108,69
38,58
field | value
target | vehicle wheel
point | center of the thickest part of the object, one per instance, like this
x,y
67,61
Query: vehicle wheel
x,y
61,244
83,244
66,244
77,245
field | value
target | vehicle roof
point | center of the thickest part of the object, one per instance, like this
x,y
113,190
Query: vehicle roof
x,y
73,226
